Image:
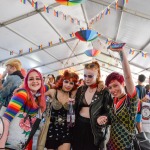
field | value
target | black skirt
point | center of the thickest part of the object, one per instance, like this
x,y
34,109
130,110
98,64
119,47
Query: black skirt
x,y
83,138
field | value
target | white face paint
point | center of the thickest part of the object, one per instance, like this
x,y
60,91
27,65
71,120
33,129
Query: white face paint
x,y
90,76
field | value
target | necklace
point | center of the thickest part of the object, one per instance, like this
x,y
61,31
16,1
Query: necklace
x,y
93,85
64,91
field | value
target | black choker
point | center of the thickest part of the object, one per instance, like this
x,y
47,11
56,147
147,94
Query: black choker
x,y
121,96
64,91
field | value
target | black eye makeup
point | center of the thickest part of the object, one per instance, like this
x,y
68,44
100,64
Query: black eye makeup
x,y
88,76
67,81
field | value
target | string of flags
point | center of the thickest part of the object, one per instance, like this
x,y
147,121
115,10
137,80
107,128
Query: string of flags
x,y
56,13
105,11
30,50
66,17
99,16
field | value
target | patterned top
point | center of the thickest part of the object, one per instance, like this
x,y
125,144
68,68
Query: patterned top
x,y
18,104
122,117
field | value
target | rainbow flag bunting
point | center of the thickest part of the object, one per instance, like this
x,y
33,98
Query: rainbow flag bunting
x,y
20,52
50,43
144,54
30,50
11,52
116,4
40,46
107,11
132,51
55,13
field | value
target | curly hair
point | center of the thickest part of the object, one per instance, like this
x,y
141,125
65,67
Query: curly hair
x,y
94,65
67,76
114,76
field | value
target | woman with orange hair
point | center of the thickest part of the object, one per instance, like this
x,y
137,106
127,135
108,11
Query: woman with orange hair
x,y
92,101
22,110
59,134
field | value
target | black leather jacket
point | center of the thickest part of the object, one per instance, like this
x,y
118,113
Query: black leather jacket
x,y
99,106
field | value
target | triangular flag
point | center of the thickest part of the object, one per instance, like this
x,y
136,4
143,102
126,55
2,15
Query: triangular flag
x,y
11,52
50,43
30,50
20,52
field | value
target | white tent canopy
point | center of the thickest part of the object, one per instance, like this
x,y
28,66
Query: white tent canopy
x,y
23,26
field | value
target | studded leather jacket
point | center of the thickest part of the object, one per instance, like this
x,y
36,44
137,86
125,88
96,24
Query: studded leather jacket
x,y
99,106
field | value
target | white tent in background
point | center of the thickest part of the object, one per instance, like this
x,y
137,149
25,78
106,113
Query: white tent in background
x,y
23,26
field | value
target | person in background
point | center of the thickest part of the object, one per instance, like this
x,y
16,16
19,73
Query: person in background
x,y
146,110
123,111
141,91
44,79
50,80
81,82
57,78
29,100
13,80
147,87
59,134
92,101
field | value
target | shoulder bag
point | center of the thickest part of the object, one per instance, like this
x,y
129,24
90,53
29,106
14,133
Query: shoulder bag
x,y
43,132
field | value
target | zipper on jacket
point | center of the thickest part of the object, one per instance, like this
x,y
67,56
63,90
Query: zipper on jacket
x,y
92,126
97,110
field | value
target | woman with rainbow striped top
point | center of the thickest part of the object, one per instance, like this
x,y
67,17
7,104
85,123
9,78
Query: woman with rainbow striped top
x,y
26,102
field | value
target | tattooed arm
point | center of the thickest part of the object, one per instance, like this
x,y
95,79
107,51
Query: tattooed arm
x,y
126,69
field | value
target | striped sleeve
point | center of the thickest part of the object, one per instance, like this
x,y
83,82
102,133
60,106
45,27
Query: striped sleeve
x,y
15,105
46,87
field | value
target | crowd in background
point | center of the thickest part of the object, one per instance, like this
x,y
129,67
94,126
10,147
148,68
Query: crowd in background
x,y
97,105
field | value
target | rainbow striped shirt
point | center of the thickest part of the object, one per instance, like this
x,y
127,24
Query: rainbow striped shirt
x,y
18,104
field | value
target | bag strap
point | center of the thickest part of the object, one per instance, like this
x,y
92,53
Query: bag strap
x,y
34,129
37,123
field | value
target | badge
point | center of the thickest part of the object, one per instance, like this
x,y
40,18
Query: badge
x,y
145,112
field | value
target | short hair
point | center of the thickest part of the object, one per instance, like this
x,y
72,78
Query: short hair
x,y
147,87
114,76
141,78
14,63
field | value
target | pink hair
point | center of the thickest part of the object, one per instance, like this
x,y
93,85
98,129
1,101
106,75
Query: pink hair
x,y
114,76
41,98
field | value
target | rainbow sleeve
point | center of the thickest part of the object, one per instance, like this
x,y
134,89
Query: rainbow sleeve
x,y
15,105
46,87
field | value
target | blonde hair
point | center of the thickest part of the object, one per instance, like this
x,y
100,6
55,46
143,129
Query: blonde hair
x,y
14,63
94,65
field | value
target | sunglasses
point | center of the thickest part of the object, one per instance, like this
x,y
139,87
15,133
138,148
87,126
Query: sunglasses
x,y
67,81
88,76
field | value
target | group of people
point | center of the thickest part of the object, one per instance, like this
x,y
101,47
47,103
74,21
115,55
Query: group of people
x,y
97,105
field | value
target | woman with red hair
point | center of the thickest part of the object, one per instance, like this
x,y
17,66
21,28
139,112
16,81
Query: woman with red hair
x,y
28,101
123,111
92,101
59,134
